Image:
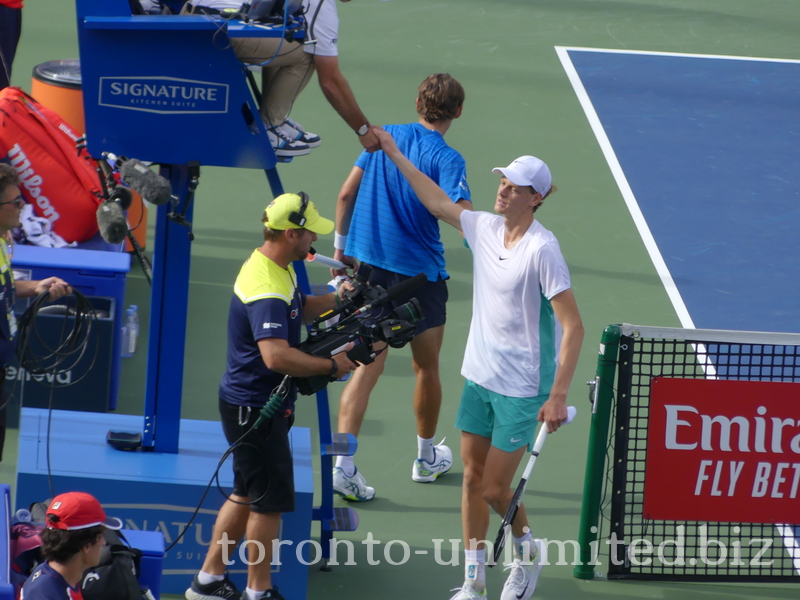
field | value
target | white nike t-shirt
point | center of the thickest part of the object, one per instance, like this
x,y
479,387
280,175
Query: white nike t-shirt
x,y
514,336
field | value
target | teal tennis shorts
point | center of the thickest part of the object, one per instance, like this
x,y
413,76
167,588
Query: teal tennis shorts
x,y
509,422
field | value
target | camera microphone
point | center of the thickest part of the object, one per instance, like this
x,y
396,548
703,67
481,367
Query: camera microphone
x,y
112,222
122,196
110,214
393,293
151,186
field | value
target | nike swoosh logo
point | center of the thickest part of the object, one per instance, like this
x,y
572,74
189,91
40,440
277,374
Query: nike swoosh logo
x,y
504,257
513,441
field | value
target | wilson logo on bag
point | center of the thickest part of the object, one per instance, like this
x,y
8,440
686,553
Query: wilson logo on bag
x,y
58,180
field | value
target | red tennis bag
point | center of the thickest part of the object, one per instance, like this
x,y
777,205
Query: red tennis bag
x,y
61,182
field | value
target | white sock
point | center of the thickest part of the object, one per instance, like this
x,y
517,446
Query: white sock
x,y
346,464
425,449
253,594
475,568
204,578
524,548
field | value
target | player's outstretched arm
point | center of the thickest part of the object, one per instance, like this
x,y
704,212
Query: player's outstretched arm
x,y
431,195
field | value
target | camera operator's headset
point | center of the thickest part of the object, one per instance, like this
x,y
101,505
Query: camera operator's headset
x,y
299,217
296,217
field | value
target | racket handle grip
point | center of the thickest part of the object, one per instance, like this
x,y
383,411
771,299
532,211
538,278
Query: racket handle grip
x,y
572,412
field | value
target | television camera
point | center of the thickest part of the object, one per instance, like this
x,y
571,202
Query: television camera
x,y
357,320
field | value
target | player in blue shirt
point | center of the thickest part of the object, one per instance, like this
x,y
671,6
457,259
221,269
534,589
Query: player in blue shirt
x,y
71,543
380,221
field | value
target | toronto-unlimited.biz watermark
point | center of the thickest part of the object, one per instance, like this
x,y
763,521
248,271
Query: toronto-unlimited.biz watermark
x,y
672,552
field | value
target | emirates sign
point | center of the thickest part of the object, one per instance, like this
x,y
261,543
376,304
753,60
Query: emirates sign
x,y
723,451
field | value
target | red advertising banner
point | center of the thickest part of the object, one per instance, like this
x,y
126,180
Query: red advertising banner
x,y
724,451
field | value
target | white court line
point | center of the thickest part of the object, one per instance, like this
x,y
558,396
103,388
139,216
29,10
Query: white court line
x,y
785,531
791,543
566,49
625,188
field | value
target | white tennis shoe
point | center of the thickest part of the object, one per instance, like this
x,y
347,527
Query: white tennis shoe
x,y
521,582
353,488
297,132
467,592
425,472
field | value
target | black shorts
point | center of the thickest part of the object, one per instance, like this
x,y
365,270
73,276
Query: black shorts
x,y
262,463
431,295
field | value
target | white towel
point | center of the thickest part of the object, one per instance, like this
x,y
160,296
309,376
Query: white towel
x,y
39,231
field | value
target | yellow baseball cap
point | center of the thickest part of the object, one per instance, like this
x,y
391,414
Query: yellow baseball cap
x,y
295,211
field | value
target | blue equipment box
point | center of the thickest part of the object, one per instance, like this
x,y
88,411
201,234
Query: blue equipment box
x,y
151,543
85,384
91,272
153,491
6,587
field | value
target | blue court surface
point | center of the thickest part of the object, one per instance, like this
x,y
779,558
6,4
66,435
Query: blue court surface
x,y
706,151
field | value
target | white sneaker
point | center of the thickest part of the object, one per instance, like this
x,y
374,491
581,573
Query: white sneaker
x,y
284,145
297,132
353,488
425,472
467,592
521,582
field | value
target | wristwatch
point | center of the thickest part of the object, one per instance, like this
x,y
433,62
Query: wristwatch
x,y
363,130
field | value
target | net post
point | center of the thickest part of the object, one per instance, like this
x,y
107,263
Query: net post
x,y
595,461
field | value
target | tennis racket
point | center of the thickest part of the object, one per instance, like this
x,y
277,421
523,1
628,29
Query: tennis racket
x,y
511,513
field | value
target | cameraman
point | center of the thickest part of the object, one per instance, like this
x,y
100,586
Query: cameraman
x,y
264,323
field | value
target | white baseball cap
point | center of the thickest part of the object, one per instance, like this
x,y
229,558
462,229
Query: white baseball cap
x,y
528,170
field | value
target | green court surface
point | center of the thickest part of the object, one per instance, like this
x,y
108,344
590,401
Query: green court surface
x,y
519,101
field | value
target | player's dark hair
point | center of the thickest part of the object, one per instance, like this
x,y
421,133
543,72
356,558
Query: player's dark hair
x,y
60,545
440,97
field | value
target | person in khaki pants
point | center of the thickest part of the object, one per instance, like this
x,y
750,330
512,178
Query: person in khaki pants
x,y
289,67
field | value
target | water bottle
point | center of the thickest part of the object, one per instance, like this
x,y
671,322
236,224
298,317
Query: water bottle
x,y
133,326
126,334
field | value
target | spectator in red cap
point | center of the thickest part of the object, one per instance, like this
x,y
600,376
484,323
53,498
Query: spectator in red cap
x,y
71,543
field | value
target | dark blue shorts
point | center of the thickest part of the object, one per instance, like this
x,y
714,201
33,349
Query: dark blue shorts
x,y
263,468
432,297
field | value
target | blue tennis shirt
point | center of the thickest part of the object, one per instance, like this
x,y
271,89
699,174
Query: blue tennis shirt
x,y
391,228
